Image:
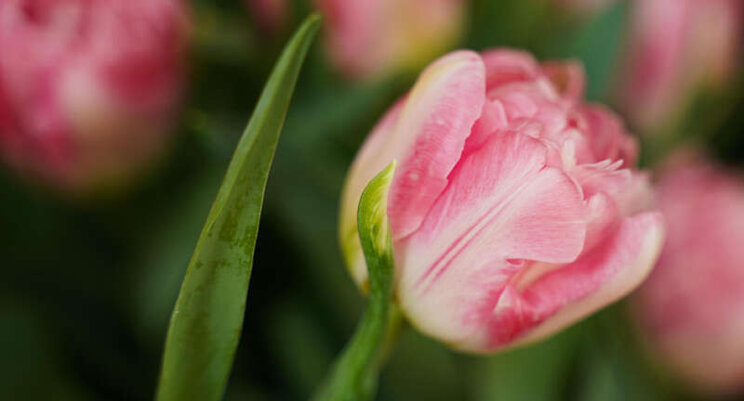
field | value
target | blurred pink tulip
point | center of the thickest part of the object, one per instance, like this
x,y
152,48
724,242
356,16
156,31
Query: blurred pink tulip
x,y
515,209
366,38
88,89
692,306
677,47
270,15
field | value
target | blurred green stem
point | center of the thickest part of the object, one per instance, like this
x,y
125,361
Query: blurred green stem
x,y
355,372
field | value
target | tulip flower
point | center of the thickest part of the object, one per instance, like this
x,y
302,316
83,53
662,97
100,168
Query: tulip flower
x,y
676,48
692,306
515,209
368,38
88,89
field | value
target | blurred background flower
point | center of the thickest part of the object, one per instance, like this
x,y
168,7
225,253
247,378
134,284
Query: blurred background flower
x,y
271,16
692,306
90,89
366,38
675,50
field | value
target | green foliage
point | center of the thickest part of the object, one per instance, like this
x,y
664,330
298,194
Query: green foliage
x,y
207,319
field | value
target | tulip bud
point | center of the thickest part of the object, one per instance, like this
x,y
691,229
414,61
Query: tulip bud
x,y
692,306
515,209
675,49
367,38
88,89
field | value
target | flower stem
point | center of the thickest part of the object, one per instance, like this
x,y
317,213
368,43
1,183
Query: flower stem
x,y
355,372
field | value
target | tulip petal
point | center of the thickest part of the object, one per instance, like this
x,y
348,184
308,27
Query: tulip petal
x,y
599,277
630,190
502,205
568,77
533,108
607,135
492,119
508,65
426,131
430,135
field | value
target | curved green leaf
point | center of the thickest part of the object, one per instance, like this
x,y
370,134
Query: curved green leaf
x,y
206,322
354,375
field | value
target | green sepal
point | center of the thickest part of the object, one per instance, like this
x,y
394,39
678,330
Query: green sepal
x,y
354,374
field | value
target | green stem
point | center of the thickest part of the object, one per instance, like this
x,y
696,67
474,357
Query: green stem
x,y
354,374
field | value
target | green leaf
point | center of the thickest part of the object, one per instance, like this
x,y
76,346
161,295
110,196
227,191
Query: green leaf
x,y
354,374
206,322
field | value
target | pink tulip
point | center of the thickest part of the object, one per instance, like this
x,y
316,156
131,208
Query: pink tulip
x,y
515,209
692,306
367,38
677,47
88,89
270,15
